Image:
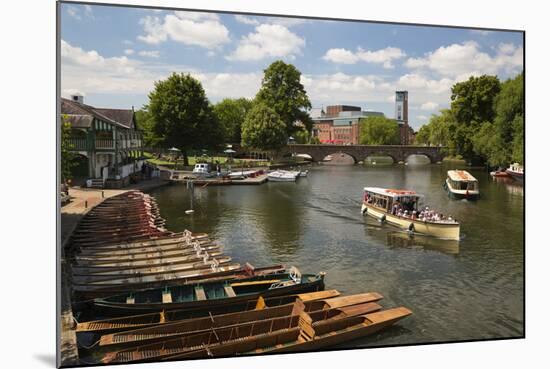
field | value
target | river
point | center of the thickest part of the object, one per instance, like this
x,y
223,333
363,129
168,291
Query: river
x,y
472,289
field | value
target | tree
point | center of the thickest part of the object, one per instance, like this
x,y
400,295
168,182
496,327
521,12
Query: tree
x,y
67,156
379,130
182,115
423,135
302,136
231,113
146,124
282,90
263,129
517,144
472,100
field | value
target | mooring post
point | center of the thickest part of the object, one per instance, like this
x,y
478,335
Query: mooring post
x,y
86,204
102,194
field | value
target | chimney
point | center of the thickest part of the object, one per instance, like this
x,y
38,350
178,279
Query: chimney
x,y
77,98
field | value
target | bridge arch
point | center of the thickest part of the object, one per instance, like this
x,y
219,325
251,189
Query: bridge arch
x,y
343,152
381,154
423,155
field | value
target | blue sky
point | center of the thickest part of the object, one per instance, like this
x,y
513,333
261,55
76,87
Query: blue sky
x,y
113,55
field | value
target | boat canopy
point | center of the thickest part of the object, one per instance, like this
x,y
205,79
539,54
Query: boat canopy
x,y
395,194
461,176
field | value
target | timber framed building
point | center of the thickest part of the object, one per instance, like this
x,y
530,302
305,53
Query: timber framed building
x,y
107,141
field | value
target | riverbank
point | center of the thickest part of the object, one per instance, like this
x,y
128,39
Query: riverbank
x,y
82,201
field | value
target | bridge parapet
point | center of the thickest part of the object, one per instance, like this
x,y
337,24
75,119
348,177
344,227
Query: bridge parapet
x,y
361,152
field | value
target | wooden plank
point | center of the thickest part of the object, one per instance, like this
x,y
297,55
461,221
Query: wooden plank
x,y
319,295
353,299
199,292
229,291
166,297
270,281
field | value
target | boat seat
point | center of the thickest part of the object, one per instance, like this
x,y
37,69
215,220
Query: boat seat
x,y
199,292
230,292
166,297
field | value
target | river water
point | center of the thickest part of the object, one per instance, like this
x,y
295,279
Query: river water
x,y
471,289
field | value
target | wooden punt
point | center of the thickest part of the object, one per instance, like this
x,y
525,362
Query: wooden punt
x,y
89,241
125,254
152,241
192,265
307,336
313,300
181,257
241,333
153,245
224,273
350,306
206,295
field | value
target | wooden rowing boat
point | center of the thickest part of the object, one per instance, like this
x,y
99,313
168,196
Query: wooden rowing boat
x,y
157,270
86,292
307,336
313,300
241,333
142,250
322,311
144,245
206,295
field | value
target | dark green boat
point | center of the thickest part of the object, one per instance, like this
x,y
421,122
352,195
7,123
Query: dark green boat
x,y
212,294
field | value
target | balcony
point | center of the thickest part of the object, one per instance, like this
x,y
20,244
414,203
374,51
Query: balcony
x,y
78,144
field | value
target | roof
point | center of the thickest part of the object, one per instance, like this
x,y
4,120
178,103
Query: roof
x,y
392,192
461,176
81,115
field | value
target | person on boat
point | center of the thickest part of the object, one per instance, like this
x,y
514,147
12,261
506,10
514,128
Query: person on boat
x,y
394,209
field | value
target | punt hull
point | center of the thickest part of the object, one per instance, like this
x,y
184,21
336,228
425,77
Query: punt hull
x,y
450,231
460,194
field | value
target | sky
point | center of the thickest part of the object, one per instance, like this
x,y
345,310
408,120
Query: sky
x,y
113,55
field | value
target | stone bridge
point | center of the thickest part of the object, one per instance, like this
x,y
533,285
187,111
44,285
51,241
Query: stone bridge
x,y
360,152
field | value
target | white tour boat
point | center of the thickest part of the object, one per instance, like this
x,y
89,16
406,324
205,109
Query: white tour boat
x,y
516,171
460,184
400,208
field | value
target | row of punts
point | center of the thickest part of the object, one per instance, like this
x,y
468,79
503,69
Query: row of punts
x,y
142,293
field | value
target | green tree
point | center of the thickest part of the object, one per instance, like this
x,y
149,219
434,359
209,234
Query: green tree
x,y
182,115
67,156
282,90
379,130
231,113
517,144
302,136
146,124
263,129
423,135
472,100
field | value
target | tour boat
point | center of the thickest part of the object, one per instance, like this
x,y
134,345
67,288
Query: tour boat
x,y
202,169
400,208
516,171
283,176
461,185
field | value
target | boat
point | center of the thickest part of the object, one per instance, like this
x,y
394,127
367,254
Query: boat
x,y
313,300
193,326
203,170
401,208
309,334
210,294
516,171
499,174
283,176
460,184
328,158
119,286
240,336
304,173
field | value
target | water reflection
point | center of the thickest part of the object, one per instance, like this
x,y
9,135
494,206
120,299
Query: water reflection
x,y
511,185
399,239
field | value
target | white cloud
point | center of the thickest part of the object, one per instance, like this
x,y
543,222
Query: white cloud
x,y
129,51
86,71
459,61
481,32
88,11
383,56
150,54
246,20
422,117
268,40
429,105
190,28
341,56
286,22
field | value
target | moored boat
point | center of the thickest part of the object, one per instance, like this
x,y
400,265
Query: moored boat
x,y
205,295
314,300
460,184
283,176
401,208
516,171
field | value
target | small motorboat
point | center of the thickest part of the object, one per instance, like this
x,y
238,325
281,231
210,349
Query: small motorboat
x,y
400,208
516,171
460,184
283,176
499,174
304,173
